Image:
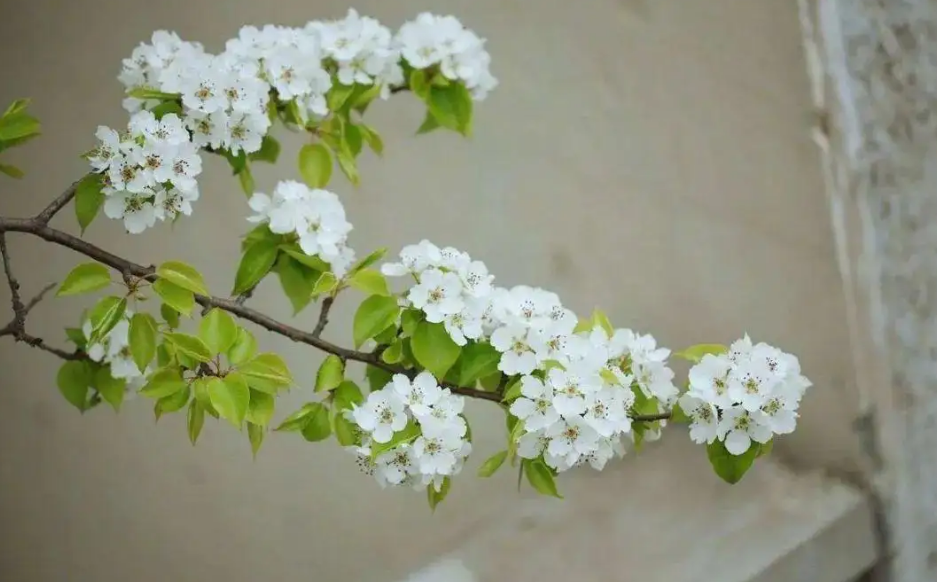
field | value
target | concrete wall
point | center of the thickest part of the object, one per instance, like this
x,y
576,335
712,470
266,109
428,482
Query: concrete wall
x,y
649,157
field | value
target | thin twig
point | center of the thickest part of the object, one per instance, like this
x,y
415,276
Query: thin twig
x,y
19,310
323,316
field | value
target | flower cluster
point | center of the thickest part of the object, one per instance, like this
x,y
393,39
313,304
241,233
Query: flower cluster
x,y
436,450
114,350
315,216
748,394
431,40
149,170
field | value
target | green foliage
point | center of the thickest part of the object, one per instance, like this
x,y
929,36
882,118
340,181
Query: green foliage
x,y
195,420
695,353
297,281
74,380
230,396
451,107
218,331
190,346
731,468
315,164
374,315
331,373
260,408
377,377
111,389
406,435
433,497
179,299
266,372
16,128
312,420
182,275
540,477
346,396
89,197
256,262
164,382
492,464
243,349
169,315
104,316
85,278
434,349
367,261
477,361
269,151
255,434
370,281
326,283
142,339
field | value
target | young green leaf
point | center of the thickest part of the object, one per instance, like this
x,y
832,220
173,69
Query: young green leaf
x,y
255,434
451,107
409,320
260,408
394,352
190,346
372,138
111,389
269,151
169,314
346,433
297,421
429,124
181,300
374,315
419,83
370,281
195,420
297,281
315,164
173,402
695,353
377,377
326,283
11,171
73,380
105,315
346,396
182,275
599,318
731,468
230,397
243,349
165,108
477,361
18,125
434,349
311,261
218,331
346,161
433,497
165,382
89,197
76,336
368,261
408,434
318,426
540,477
256,262
85,278
330,374
492,464
142,339
266,372
246,180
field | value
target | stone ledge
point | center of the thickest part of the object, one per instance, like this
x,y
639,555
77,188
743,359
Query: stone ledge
x,y
663,516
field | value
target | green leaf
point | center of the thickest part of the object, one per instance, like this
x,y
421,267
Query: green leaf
x,y
315,164
89,197
368,261
429,124
243,349
169,315
419,83
599,318
377,377
512,390
352,136
540,477
182,275
325,284
182,300
433,497
367,94
297,281
111,389
678,415
172,403
408,434
105,315
346,161
387,336
370,281
11,171
266,372
17,106
434,349
195,420
218,331
451,106
338,94
166,108
76,336
696,353
346,396
269,150
74,379
374,315
331,373
256,262
346,433
230,397
18,125
246,180
190,346
260,408
477,361
142,339
297,421
318,426
151,94
394,353
766,448
492,464
163,383
372,138
255,434
731,468
409,320
85,278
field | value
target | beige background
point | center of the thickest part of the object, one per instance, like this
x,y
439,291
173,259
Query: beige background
x,y
649,157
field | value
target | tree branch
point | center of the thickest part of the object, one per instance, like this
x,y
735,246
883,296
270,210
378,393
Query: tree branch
x,y
38,226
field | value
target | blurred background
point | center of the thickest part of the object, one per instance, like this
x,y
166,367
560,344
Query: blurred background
x,y
651,158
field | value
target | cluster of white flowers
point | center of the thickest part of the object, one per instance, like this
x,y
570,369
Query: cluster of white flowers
x,y
114,349
431,40
441,447
750,393
315,216
149,171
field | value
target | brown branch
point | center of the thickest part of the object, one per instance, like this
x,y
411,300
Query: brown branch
x,y
38,226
